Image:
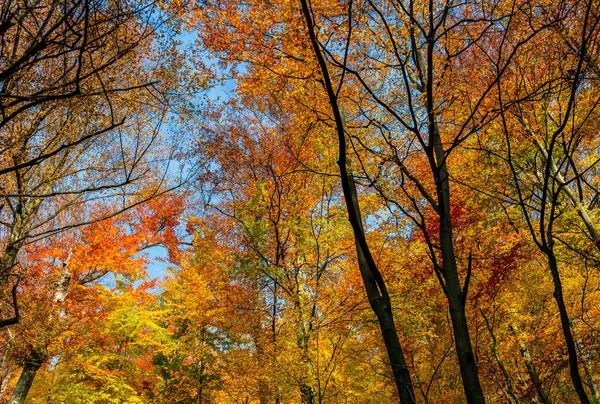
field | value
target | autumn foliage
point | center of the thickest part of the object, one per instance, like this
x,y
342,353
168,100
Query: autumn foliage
x,y
278,202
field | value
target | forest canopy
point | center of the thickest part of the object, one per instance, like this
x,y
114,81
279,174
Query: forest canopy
x,y
227,201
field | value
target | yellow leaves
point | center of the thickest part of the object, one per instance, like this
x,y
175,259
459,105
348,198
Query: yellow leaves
x,y
189,298
267,300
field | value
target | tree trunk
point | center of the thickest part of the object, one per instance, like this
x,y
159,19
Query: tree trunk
x,y
595,236
462,339
454,292
374,284
308,395
32,364
6,374
274,335
263,385
566,327
263,392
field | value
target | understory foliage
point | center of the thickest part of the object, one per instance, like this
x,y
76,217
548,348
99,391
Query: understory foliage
x,y
394,201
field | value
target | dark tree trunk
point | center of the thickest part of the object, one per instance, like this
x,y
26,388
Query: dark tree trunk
x,y
32,365
462,339
374,284
308,395
566,327
452,288
263,392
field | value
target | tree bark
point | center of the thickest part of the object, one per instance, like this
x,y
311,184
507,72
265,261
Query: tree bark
x,y
566,327
308,395
32,364
454,292
374,284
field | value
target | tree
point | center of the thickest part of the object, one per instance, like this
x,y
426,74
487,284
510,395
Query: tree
x,y
545,122
283,218
72,268
83,102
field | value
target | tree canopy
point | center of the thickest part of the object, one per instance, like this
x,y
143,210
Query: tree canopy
x,y
227,201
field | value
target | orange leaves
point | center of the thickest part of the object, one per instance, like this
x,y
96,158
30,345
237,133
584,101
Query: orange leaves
x,y
487,109
71,311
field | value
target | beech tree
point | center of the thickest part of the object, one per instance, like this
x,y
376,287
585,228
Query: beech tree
x,y
397,201
283,216
406,103
65,300
83,104
554,126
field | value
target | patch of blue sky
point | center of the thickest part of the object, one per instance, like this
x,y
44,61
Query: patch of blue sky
x,y
183,130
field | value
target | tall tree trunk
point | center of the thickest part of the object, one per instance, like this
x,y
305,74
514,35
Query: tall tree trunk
x,y
8,261
274,333
462,339
307,393
32,364
375,286
263,385
452,288
566,326
263,392
6,374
